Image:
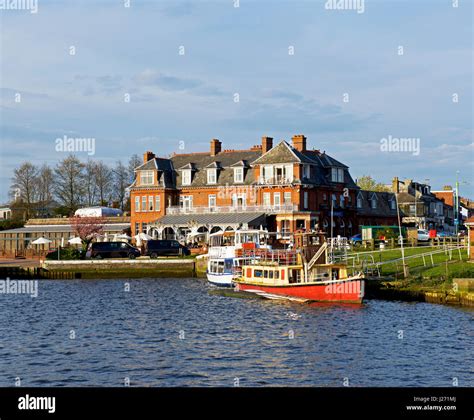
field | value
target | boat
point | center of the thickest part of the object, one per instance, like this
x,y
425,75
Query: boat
x,y
309,272
226,254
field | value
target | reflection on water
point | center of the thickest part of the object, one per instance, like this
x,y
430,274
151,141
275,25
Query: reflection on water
x,y
171,332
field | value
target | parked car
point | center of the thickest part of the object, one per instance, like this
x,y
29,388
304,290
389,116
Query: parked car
x,y
101,250
423,235
356,240
165,248
444,235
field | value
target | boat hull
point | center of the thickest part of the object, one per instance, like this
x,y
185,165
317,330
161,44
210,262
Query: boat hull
x,y
344,291
221,280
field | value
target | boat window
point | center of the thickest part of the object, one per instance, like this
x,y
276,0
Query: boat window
x,y
228,264
277,274
257,273
220,268
265,273
270,274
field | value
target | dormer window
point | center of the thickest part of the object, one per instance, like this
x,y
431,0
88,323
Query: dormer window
x,y
306,171
393,203
146,177
239,175
337,174
373,201
212,176
186,175
359,200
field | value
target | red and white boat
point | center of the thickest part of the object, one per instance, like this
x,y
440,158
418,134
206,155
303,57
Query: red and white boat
x,y
304,274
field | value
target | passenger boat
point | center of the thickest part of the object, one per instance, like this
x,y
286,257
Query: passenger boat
x,y
226,253
307,273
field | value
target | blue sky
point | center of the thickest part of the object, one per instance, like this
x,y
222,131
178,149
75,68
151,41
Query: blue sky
x,y
190,98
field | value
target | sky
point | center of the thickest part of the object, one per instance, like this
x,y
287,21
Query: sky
x,y
168,76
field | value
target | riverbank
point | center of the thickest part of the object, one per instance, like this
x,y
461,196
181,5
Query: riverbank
x,y
104,269
441,290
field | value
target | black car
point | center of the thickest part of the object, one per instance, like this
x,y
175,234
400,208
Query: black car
x,y
165,248
113,250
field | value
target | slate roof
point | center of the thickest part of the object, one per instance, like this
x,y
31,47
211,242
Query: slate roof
x,y
383,204
282,153
252,219
203,161
170,170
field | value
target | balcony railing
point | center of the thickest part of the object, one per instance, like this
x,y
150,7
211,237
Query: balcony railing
x,y
282,208
277,180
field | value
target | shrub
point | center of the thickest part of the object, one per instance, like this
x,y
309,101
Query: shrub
x,y
65,254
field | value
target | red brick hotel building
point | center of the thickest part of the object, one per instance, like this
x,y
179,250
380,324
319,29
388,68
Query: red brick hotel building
x,y
284,187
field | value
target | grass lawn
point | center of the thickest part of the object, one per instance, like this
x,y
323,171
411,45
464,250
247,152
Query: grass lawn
x,y
418,267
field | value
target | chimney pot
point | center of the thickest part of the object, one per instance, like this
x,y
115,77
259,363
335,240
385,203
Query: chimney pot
x,y
148,156
267,144
299,142
216,147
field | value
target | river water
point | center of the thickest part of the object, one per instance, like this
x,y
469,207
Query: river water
x,y
172,332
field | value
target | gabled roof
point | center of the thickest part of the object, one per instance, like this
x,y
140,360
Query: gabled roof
x,y
329,161
162,164
215,164
282,153
188,166
241,163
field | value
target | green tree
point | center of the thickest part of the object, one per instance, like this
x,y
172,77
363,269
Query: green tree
x,y
366,182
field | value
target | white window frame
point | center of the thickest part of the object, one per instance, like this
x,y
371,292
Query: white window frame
x,y
137,203
212,176
157,203
287,197
186,201
267,199
146,178
186,176
144,203
238,175
277,199
151,203
212,198
359,201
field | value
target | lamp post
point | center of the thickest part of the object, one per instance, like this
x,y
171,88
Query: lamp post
x,y
405,268
456,204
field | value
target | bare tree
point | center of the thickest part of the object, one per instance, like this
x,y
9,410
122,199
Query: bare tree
x,y
45,184
69,182
121,182
90,184
133,163
23,187
103,179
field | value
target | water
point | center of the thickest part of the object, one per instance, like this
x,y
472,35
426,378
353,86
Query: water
x,y
136,334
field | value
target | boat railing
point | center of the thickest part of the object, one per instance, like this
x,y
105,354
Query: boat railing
x,y
263,256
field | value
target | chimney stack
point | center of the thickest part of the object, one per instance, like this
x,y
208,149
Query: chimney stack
x,y
148,156
267,144
216,147
395,185
299,142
